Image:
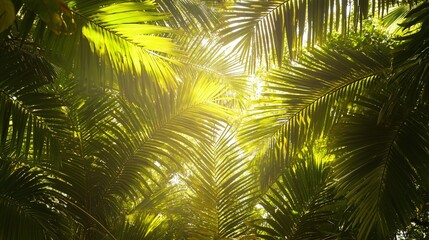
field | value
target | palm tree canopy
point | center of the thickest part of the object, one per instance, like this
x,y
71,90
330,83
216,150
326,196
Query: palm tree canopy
x,y
193,119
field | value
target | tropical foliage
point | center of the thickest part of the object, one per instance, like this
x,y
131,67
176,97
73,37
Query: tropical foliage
x,y
193,119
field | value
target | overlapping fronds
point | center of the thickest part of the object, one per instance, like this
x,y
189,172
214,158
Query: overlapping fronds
x,y
126,36
119,44
169,126
33,122
122,150
222,189
192,16
383,144
142,136
300,204
209,59
379,160
263,30
409,79
260,29
29,207
302,101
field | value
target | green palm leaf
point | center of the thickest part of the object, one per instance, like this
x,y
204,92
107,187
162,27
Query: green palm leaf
x,y
122,150
121,45
378,160
259,27
389,142
410,63
33,120
263,30
300,205
222,189
192,16
122,34
29,206
210,60
392,19
301,100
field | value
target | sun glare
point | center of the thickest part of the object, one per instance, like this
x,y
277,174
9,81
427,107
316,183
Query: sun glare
x,y
175,180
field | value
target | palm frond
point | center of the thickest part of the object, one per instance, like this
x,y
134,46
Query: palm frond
x,y
260,27
122,33
263,30
300,102
222,189
392,19
300,205
165,129
33,120
122,149
120,44
209,59
156,216
92,160
376,160
192,16
410,63
29,206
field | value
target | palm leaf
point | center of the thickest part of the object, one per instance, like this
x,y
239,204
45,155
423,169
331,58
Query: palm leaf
x,y
222,189
163,212
29,206
410,63
392,19
192,16
263,30
122,34
300,205
259,27
121,149
386,158
389,141
142,226
210,60
301,100
33,120
120,44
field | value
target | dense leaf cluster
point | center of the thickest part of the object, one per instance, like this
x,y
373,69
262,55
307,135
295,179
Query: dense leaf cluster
x,y
192,119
